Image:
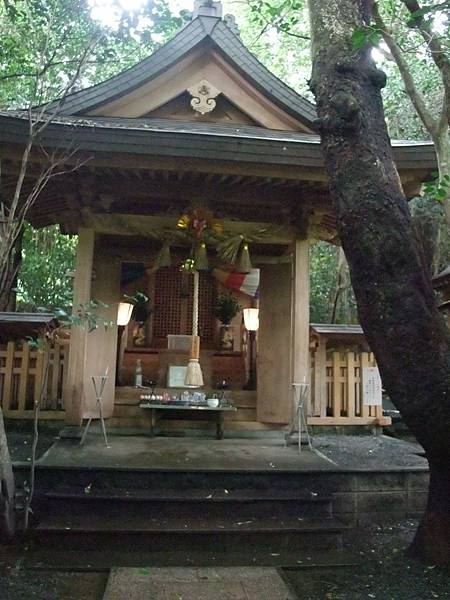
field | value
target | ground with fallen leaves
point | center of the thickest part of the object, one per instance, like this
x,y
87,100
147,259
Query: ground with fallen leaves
x,y
382,572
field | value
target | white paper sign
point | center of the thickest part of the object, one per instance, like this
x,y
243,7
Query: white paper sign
x,y
176,376
372,394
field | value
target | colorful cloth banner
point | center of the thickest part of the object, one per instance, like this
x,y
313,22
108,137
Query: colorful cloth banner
x,y
246,283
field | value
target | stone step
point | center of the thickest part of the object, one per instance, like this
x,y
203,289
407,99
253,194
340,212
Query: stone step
x,y
87,531
99,558
188,503
301,484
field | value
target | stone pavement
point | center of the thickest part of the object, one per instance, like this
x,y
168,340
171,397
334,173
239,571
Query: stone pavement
x,y
208,583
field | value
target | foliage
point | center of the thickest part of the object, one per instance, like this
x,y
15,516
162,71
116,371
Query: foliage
x,y
278,33
45,38
84,315
227,308
323,284
47,258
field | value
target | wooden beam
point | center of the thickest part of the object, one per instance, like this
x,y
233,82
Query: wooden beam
x,y
143,225
184,164
374,421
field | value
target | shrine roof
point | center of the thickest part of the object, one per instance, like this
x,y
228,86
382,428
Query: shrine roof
x,y
211,32
164,137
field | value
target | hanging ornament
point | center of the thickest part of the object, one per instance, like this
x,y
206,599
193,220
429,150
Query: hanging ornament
x,y
228,249
188,266
198,221
163,258
183,222
243,264
201,257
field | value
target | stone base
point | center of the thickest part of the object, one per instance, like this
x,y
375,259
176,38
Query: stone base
x,y
208,583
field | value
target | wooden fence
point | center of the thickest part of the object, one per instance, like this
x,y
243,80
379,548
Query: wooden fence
x,y
336,389
22,370
336,384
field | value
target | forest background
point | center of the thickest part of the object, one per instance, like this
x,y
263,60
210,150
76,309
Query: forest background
x,y
277,33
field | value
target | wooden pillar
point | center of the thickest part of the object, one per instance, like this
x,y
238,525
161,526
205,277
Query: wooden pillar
x,y
73,396
274,348
101,344
300,317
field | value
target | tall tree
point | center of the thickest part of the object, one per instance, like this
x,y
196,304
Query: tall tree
x,y
396,304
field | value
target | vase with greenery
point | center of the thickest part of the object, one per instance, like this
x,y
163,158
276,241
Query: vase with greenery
x,y
227,308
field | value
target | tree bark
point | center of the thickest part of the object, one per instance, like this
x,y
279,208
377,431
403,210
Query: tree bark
x,y
396,304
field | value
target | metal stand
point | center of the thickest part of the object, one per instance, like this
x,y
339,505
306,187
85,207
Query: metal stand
x,y
301,393
99,382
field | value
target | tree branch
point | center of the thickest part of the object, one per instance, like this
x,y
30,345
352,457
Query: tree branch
x,y
429,121
438,54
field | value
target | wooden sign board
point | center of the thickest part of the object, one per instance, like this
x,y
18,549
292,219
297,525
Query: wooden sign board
x,y
372,392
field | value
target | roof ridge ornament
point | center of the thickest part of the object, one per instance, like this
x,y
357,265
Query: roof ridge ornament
x,y
203,94
230,22
207,8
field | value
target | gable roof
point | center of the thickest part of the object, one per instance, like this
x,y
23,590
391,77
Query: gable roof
x,y
210,32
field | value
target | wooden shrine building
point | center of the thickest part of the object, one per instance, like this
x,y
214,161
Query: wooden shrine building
x,y
199,124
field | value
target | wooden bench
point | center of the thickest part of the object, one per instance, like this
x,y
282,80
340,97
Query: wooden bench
x,y
217,413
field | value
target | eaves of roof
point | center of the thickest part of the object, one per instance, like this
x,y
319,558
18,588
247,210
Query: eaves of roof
x,y
337,329
209,30
160,137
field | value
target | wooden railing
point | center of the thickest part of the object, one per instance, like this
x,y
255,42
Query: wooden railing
x,y
336,390
22,371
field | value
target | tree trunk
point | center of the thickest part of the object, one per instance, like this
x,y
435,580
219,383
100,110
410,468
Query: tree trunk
x,y
7,487
396,304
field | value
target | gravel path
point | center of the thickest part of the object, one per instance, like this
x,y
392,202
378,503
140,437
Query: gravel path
x,y
370,452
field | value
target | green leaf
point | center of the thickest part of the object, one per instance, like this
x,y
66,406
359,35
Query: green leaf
x,y
359,38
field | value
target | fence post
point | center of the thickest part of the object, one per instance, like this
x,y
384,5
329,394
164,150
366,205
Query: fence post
x,y
336,401
351,407
7,382
23,387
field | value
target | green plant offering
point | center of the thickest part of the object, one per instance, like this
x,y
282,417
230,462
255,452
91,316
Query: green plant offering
x,y
227,308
